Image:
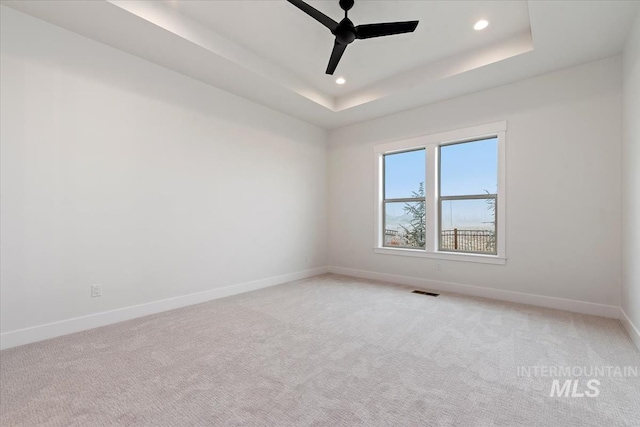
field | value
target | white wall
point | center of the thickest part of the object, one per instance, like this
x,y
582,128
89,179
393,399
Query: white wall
x,y
119,172
563,185
631,180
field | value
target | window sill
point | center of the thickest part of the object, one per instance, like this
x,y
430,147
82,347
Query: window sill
x,y
449,256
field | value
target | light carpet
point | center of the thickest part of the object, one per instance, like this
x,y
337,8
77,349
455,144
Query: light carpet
x,y
326,351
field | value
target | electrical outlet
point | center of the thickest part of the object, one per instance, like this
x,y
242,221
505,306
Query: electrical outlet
x,y
96,291
438,266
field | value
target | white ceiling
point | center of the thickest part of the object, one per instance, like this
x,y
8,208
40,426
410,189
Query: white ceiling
x,y
284,35
272,53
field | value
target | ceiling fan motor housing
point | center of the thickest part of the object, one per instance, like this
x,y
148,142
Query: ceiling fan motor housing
x,y
346,32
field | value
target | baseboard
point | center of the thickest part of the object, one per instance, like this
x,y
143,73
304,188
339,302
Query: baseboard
x,y
632,330
497,294
55,329
68,326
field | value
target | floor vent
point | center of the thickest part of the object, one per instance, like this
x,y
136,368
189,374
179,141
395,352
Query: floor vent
x,y
431,294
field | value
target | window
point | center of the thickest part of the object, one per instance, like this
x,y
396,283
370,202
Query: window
x,y
404,200
442,196
468,195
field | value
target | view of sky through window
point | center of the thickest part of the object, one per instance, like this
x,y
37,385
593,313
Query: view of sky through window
x,y
403,173
469,168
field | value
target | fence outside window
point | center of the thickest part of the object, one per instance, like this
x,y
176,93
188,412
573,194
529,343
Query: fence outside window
x,y
468,240
478,241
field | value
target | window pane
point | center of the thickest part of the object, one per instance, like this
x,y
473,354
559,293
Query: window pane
x,y
469,168
404,224
468,225
404,174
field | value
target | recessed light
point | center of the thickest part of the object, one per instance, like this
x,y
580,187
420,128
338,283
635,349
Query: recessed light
x,y
481,25
341,80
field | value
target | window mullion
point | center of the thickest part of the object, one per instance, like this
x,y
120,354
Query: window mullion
x,y
431,193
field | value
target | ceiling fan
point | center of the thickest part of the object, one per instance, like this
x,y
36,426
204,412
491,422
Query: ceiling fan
x,y
346,32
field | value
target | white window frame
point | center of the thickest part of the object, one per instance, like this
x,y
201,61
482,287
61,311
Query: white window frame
x,y
431,144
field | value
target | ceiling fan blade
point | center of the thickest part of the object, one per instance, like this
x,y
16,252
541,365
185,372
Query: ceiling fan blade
x,y
336,54
315,14
386,29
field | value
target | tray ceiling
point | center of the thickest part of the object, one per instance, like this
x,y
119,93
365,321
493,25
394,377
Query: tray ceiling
x,y
270,52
